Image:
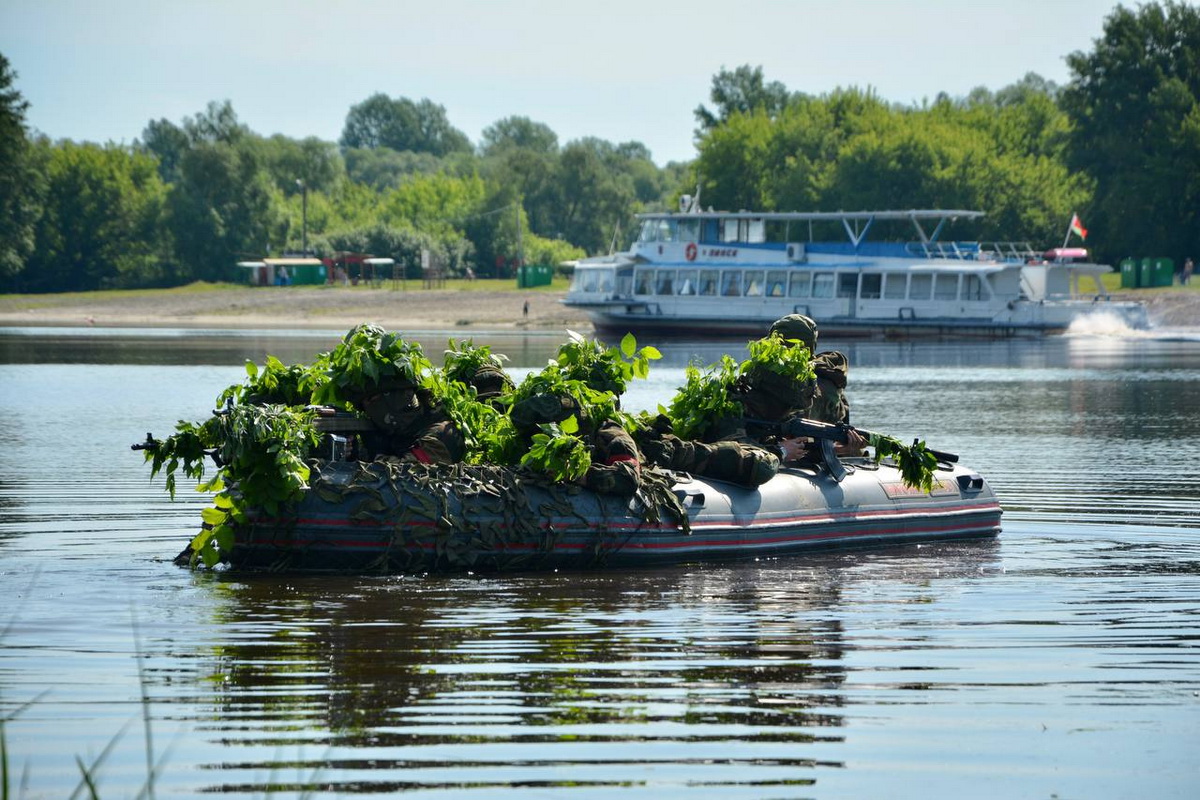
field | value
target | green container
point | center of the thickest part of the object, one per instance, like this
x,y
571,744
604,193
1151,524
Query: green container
x,y
530,275
1146,273
1129,273
308,274
1164,272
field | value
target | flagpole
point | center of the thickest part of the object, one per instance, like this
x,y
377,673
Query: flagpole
x,y
1067,238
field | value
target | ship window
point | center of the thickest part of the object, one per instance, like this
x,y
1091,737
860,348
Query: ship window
x,y
847,284
776,284
823,284
666,282
729,230
649,231
666,230
756,231
731,283
754,283
708,282
644,283
946,287
606,280
973,288
689,230
920,287
589,280
801,284
872,286
687,282
894,286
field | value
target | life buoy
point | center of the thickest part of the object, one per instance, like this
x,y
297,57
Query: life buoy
x,y
689,252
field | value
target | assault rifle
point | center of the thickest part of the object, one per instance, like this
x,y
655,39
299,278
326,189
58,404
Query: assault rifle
x,y
827,435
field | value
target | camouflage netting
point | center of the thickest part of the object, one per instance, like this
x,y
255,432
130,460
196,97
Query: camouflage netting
x,y
464,516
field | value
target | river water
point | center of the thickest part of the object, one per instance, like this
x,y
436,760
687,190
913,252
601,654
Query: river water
x,y
1061,660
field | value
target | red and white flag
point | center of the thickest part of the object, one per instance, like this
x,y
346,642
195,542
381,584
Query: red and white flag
x,y
1077,227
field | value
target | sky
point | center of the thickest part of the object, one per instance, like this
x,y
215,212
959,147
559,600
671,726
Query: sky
x,y
100,70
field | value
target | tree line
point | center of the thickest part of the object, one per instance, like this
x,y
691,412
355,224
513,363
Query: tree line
x,y
1119,145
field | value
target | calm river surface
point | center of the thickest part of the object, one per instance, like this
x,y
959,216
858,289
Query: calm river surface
x,y
1060,661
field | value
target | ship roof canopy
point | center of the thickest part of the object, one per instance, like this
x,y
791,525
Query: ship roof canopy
x,y
816,216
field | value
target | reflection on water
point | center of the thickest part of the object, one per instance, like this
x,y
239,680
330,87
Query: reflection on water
x,y
1060,660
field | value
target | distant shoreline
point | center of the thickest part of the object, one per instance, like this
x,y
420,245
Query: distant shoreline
x,y
300,307
481,305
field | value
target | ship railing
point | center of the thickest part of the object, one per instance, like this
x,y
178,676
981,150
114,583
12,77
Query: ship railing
x,y
1016,252
956,251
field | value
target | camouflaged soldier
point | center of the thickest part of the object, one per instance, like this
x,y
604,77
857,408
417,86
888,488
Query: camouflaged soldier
x,y
736,462
829,403
411,426
742,449
616,461
491,383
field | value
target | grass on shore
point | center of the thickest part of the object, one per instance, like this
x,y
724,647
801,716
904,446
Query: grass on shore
x,y
559,284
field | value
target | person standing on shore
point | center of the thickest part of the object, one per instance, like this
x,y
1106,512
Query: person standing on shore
x,y
525,310
1186,275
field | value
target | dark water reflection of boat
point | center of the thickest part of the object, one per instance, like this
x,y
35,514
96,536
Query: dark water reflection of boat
x,y
1059,659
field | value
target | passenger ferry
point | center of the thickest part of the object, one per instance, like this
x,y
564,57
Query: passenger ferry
x,y
708,272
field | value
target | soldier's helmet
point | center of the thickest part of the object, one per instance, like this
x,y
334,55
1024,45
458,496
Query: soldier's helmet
x,y
799,327
491,382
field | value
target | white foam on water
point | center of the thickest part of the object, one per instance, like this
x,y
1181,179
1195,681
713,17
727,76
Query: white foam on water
x,y
1100,323
1111,325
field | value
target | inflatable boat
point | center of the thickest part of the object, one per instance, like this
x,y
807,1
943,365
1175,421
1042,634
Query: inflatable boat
x,y
412,518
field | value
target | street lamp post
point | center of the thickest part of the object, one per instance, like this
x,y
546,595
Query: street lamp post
x,y
303,216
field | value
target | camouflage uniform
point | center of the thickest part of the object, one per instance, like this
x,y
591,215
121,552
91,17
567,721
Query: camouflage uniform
x,y
615,456
830,403
742,449
831,367
739,449
412,426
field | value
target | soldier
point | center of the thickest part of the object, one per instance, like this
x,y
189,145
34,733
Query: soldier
x,y
829,403
412,426
616,461
745,448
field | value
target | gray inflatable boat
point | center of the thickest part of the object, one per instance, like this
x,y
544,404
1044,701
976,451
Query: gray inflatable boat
x,y
389,517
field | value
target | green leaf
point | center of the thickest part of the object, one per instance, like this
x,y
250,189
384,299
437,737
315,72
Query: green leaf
x,y
213,516
628,345
223,537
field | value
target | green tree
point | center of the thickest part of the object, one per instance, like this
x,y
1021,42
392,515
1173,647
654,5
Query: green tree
x,y
20,182
101,225
401,124
742,91
220,210
318,164
518,133
169,142
1134,104
384,168
437,204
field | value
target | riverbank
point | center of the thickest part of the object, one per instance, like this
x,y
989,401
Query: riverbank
x,y
462,305
487,305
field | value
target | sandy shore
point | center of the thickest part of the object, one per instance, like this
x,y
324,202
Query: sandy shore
x,y
333,308
410,308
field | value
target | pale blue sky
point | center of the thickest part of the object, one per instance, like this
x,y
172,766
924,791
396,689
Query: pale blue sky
x,y
99,70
